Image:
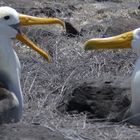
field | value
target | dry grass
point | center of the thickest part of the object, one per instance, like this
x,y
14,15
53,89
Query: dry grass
x,y
44,85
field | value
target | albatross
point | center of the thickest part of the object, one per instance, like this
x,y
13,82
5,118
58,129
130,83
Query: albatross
x,y
11,98
125,40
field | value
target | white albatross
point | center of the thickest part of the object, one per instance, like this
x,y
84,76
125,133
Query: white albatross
x,y
126,40
11,99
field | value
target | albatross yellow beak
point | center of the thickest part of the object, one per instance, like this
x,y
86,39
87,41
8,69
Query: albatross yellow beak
x,y
26,20
28,42
116,42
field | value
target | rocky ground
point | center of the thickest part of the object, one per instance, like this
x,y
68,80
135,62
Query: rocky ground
x,y
80,95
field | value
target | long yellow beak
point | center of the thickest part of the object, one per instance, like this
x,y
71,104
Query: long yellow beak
x,y
116,42
26,20
28,42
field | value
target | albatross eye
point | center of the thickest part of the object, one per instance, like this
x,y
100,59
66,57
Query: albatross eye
x,y
6,17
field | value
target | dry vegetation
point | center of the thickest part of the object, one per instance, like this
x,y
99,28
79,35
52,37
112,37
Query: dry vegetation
x,y
45,85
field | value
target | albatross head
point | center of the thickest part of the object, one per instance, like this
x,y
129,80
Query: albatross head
x,y
11,22
11,100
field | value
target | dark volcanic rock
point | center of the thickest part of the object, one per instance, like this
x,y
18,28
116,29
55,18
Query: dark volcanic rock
x,y
71,31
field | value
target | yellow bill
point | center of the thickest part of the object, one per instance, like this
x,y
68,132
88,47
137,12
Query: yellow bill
x,y
25,20
117,42
28,42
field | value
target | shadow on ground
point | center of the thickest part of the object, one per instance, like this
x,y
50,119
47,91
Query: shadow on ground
x,y
101,100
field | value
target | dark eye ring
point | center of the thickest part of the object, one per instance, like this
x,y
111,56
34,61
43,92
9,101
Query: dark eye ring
x,y
7,17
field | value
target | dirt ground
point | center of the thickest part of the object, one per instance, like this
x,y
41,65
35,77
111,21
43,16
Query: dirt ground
x,y
80,95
